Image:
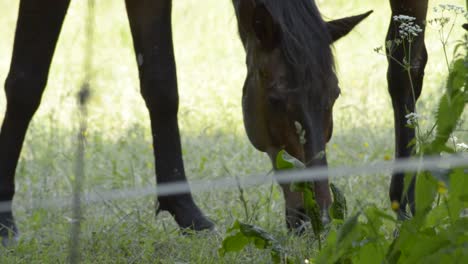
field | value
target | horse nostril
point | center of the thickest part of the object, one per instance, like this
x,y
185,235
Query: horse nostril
x,y
275,101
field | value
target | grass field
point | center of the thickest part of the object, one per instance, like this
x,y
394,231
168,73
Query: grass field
x,y
211,69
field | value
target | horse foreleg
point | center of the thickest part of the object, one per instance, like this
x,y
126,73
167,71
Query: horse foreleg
x,y
404,89
37,30
150,23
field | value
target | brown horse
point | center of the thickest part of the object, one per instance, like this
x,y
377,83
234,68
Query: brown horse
x,y
291,85
37,30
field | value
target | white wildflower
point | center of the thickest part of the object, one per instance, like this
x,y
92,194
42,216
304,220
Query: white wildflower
x,y
300,132
462,146
412,118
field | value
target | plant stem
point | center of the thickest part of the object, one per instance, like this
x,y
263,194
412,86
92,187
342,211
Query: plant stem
x,y
241,194
444,44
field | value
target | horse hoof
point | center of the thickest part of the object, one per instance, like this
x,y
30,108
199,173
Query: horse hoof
x,y
186,213
199,223
10,241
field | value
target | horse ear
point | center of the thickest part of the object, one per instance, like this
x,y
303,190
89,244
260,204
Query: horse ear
x,y
265,27
340,27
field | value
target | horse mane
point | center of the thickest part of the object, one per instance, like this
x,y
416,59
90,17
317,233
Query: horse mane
x,y
305,44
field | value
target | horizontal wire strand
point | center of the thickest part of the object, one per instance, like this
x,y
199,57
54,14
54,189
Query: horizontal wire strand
x,y
217,184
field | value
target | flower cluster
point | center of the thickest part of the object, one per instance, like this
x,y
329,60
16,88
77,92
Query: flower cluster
x,y
443,20
450,8
412,118
408,28
403,18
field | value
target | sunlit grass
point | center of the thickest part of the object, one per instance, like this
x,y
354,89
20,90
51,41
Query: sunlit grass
x,y
211,69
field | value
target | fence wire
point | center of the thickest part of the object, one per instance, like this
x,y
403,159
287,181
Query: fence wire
x,y
439,164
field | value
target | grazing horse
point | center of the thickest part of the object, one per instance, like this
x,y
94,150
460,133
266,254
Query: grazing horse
x,y
37,30
290,86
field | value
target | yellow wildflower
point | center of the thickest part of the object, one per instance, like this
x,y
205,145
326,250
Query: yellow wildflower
x,y
441,187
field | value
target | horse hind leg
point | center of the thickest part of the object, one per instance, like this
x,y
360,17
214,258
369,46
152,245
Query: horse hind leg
x,y
404,92
37,31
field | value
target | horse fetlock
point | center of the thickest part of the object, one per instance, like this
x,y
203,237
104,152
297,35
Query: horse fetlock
x,y
9,234
7,224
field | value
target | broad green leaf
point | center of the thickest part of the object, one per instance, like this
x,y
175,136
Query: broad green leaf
x,y
457,76
370,253
458,192
378,216
260,234
246,234
426,190
234,243
338,208
329,254
451,107
285,161
312,210
422,244
437,216
347,227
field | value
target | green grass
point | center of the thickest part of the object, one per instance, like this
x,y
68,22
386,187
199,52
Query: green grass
x,y
211,69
